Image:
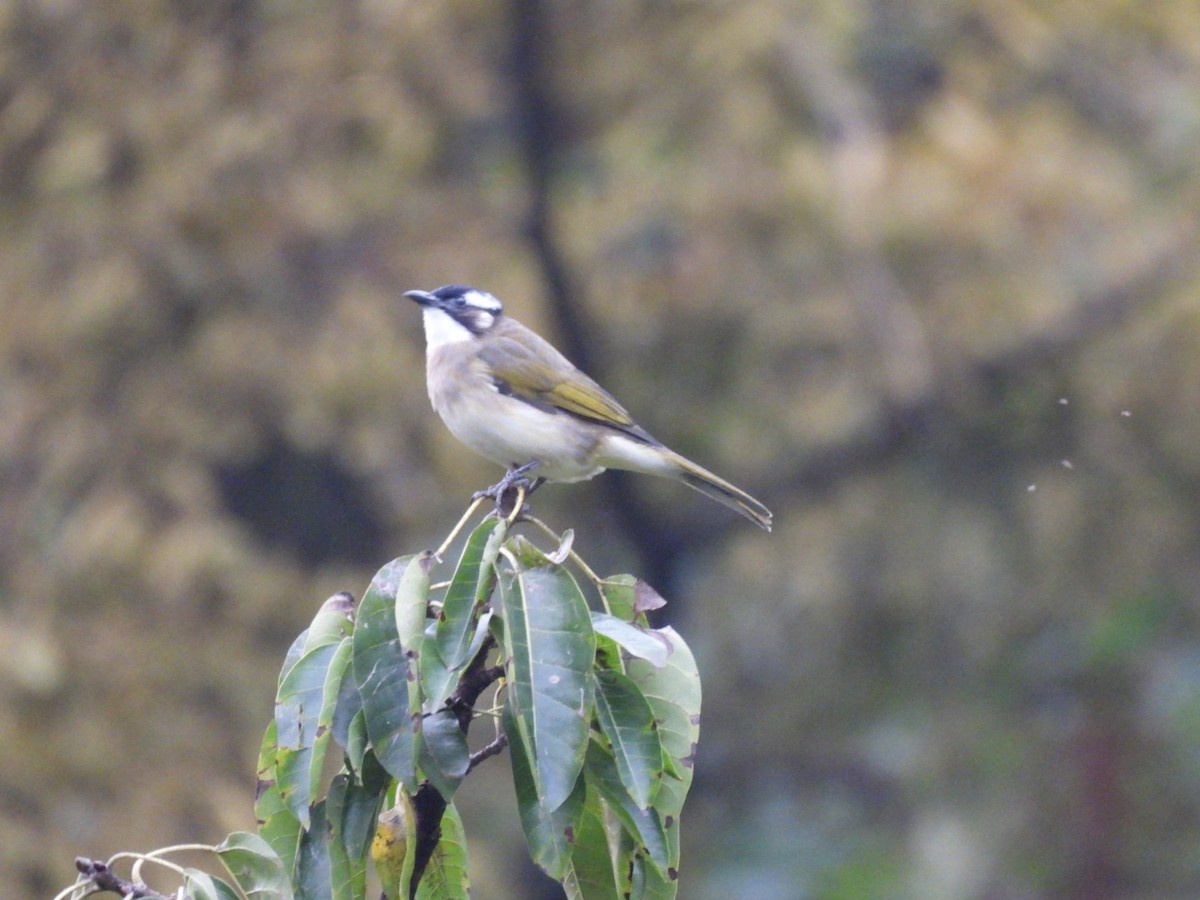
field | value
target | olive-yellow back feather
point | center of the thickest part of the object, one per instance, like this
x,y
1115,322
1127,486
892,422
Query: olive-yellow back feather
x,y
526,367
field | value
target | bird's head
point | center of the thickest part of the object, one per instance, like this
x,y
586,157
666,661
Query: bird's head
x,y
455,312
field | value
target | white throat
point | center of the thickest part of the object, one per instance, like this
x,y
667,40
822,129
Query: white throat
x,y
441,329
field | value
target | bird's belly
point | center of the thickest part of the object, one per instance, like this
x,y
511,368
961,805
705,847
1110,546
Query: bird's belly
x,y
511,432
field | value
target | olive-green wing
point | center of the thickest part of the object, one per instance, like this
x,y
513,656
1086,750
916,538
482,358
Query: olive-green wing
x,y
548,381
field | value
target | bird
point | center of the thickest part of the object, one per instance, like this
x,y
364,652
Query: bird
x,y
509,395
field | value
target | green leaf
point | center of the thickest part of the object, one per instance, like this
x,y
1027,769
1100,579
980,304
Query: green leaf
x,y
444,752
550,647
314,868
618,594
629,598
303,713
598,870
358,748
276,824
333,621
256,868
643,824
641,643
324,869
381,672
349,726
445,876
673,692
528,554
347,869
412,602
628,722
359,808
438,682
202,886
374,777
294,652
549,832
482,627
647,883
470,586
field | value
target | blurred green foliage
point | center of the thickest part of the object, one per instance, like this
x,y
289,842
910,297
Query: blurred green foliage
x,y
921,275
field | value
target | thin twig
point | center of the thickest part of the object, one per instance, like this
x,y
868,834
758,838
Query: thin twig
x,y
518,504
105,879
495,748
575,557
437,554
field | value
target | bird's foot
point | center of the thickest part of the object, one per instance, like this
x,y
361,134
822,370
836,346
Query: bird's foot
x,y
511,491
515,477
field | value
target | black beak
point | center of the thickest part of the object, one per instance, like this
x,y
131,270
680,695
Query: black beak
x,y
423,297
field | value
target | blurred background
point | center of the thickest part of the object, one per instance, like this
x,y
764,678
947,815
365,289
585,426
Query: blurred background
x,y
920,274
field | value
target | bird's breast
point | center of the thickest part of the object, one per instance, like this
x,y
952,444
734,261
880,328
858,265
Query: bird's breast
x,y
503,428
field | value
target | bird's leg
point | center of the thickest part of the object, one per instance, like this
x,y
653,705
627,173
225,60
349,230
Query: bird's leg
x,y
513,477
513,488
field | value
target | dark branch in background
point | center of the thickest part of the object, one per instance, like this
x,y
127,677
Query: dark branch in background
x,y
544,136
428,804
894,349
932,414
105,879
542,132
920,404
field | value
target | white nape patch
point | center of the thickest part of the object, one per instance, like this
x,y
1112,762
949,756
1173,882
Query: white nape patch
x,y
482,300
481,321
442,329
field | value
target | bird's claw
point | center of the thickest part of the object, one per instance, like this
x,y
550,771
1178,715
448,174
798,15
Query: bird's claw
x,y
511,491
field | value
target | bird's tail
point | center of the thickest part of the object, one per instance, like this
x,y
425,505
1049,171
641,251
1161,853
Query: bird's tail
x,y
704,481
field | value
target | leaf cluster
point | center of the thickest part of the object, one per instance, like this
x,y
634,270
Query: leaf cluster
x,y
599,713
